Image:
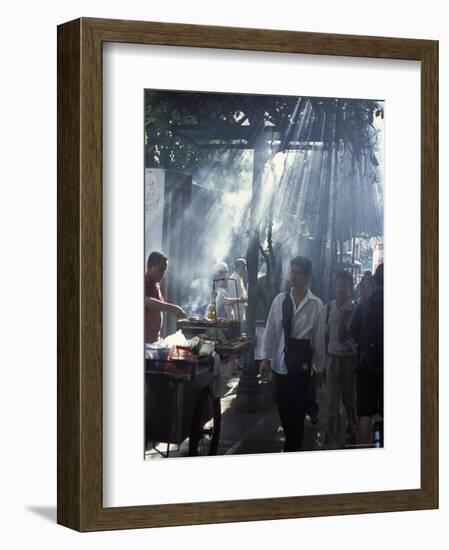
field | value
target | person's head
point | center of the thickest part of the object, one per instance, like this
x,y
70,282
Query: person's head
x,y
379,276
240,266
366,286
300,272
343,284
220,273
156,266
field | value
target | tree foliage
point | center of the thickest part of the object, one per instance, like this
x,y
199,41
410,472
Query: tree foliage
x,y
234,121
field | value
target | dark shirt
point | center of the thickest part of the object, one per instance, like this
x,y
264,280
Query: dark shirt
x,y
153,318
357,324
367,329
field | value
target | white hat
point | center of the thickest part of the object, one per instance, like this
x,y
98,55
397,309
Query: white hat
x,y
219,269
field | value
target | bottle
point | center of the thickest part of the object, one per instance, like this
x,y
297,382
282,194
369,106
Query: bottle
x,y
211,312
212,308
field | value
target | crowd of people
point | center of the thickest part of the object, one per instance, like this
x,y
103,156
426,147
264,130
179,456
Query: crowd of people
x,y
307,344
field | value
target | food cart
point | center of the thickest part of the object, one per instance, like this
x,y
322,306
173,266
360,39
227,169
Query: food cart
x,y
182,389
182,400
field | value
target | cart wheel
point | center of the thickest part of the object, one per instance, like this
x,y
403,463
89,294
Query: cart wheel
x,y
205,429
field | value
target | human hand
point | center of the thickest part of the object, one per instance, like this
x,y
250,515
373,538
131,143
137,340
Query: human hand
x,y
178,311
264,369
320,378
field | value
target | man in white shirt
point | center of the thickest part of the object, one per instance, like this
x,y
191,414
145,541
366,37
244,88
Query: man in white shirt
x,y
224,303
238,290
293,345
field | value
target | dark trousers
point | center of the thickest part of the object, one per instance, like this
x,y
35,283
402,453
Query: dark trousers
x,y
313,408
291,393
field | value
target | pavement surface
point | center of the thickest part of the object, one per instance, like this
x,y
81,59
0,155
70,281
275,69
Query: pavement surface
x,y
250,432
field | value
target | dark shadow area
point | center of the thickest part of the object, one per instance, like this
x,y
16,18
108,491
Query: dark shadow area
x,y
46,512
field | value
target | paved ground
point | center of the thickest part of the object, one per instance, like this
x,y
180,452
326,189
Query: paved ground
x,y
250,433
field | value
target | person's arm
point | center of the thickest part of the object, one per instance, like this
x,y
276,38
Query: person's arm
x,y
154,304
356,324
243,292
231,301
318,343
269,341
326,309
380,332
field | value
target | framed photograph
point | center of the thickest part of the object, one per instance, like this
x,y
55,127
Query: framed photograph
x,y
227,201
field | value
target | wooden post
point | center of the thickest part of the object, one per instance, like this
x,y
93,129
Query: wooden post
x,y
254,240
248,391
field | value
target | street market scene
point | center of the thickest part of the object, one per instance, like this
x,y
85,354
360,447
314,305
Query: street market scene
x,y
264,246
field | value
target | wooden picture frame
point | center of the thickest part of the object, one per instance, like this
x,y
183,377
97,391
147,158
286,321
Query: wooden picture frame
x,y
80,274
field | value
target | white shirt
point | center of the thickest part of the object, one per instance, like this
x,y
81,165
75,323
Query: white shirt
x,y
307,323
334,317
241,293
223,311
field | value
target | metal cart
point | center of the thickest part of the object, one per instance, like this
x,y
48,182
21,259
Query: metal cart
x,y
182,400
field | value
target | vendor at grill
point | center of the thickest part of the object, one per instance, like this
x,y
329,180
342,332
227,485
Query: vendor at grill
x,y
224,303
155,305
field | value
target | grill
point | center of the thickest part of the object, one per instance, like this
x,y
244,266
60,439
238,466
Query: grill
x,y
220,329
